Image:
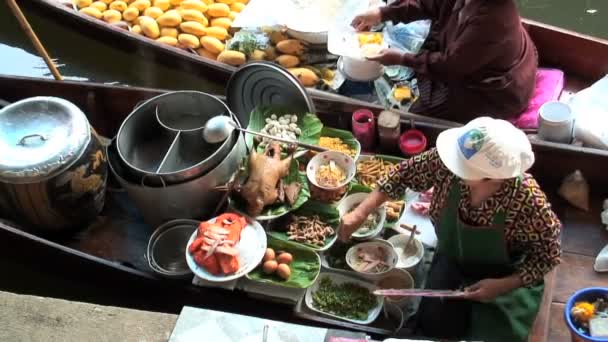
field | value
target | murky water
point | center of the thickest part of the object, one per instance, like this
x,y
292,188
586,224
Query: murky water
x,y
81,58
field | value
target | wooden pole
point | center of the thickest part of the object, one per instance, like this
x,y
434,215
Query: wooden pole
x,y
25,25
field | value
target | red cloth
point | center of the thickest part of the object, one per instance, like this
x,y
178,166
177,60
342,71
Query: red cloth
x,y
478,50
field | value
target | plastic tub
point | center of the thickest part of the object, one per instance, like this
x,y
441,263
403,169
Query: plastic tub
x,y
588,294
412,142
364,128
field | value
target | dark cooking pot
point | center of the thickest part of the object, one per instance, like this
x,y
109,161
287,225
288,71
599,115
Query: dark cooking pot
x,y
53,168
161,141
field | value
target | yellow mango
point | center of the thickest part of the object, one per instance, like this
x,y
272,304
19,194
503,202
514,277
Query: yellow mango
x,y
188,40
232,15
217,32
119,6
149,27
291,47
208,2
153,12
218,10
277,36
136,29
170,19
195,5
141,5
162,4
288,61
100,5
176,2
234,58
83,3
107,2
92,11
242,1
204,53
212,44
271,53
306,76
227,2
130,14
193,27
221,22
237,7
194,15
169,32
112,16
167,40
258,55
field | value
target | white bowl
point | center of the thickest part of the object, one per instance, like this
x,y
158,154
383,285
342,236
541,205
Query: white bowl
x,y
350,202
409,264
359,69
342,160
404,280
391,255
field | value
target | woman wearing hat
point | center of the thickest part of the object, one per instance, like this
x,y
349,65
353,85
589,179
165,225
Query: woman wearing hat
x,y
477,60
497,235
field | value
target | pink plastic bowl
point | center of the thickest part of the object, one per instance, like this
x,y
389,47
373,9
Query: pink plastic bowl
x,y
412,142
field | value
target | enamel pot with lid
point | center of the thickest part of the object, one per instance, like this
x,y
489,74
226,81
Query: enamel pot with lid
x,y
53,168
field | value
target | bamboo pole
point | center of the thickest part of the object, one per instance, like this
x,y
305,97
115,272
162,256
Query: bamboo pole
x,y
25,25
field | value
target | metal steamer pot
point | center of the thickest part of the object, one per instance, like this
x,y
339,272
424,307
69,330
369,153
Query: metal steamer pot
x,y
161,141
53,168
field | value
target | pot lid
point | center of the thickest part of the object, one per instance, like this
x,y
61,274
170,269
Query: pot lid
x,y
262,84
39,138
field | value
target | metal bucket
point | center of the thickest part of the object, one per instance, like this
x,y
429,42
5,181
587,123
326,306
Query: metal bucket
x,y
161,140
192,199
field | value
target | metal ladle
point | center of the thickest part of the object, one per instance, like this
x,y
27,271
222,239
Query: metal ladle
x,y
219,128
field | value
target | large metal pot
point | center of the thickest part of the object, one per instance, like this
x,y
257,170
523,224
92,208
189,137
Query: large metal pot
x,y
192,199
161,140
53,168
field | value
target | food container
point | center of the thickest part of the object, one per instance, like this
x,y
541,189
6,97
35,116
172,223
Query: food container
x,y
350,202
397,279
360,69
589,295
364,128
165,249
412,142
161,141
556,122
342,160
370,246
411,261
51,162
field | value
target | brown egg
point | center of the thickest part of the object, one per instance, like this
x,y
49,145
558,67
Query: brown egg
x,y
285,258
270,266
269,255
284,271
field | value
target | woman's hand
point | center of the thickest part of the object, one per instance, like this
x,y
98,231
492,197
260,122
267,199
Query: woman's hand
x,y
488,289
350,223
388,57
365,21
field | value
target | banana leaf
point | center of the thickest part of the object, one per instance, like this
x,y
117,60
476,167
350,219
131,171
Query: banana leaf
x,y
327,213
347,137
276,210
305,267
309,123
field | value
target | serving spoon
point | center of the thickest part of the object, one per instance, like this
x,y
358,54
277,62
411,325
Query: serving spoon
x,y
219,128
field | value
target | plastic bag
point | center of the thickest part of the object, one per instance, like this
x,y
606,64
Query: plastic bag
x,y
575,190
590,107
407,37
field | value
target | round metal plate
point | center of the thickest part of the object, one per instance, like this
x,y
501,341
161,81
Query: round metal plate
x,y
165,248
264,84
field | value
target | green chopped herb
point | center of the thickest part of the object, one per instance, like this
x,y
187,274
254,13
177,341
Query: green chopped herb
x,y
347,300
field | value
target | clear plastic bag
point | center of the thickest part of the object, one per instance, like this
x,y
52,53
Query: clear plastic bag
x,y
407,37
590,107
575,190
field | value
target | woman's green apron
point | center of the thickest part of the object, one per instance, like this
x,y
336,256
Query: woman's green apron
x,y
481,252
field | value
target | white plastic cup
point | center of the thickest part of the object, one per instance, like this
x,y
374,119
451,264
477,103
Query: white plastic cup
x,y
556,122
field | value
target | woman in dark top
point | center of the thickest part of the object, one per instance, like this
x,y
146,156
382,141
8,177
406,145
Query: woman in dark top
x,y
477,60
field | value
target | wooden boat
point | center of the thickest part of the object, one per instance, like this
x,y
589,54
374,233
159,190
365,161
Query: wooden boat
x,y
581,57
104,263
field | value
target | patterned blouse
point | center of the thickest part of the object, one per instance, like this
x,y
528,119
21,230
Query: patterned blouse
x,y
532,228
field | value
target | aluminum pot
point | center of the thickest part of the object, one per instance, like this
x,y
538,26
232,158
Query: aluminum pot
x,y
161,140
52,162
189,200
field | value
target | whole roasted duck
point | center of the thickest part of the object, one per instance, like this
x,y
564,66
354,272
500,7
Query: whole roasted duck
x,y
264,185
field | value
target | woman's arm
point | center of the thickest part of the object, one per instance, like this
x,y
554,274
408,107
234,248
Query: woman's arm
x,y
406,11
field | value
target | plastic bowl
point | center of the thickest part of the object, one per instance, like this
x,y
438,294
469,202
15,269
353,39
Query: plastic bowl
x,y
391,255
397,279
588,294
360,70
412,142
350,202
398,242
342,160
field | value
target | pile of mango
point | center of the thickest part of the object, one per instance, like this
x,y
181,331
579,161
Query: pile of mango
x,y
201,25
